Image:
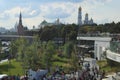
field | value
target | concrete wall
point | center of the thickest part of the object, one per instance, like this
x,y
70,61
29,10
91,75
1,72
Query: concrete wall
x,y
100,44
113,56
99,48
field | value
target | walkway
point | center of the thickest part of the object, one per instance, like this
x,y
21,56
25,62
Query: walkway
x,y
2,61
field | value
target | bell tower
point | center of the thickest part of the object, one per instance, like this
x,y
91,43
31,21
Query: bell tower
x,y
80,16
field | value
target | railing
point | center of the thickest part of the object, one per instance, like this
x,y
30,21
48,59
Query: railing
x,y
98,35
113,56
115,46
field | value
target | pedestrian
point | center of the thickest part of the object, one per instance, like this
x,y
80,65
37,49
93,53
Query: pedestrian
x,y
103,74
34,79
96,71
96,58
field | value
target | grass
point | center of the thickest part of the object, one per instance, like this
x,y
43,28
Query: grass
x,y
15,68
61,61
105,66
12,68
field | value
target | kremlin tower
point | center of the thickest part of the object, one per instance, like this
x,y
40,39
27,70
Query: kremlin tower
x,y
20,28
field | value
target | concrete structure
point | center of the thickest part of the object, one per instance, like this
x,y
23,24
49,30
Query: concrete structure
x,y
113,56
100,45
14,37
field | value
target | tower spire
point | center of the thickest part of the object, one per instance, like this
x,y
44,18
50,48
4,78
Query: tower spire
x,y
20,18
20,27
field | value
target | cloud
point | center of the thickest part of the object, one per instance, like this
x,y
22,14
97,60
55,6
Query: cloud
x,y
4,16
35,11
28,12
55,10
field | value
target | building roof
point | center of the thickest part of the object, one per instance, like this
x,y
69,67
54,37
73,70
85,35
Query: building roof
x,y
44,22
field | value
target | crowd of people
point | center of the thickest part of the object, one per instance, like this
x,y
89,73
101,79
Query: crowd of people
x,y
91,71
87,73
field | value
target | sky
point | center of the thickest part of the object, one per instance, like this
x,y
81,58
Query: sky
x,y
35,11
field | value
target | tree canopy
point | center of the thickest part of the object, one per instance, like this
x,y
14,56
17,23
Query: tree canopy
x,y
62,31
102,28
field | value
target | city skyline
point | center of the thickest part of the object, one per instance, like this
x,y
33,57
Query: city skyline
x,y
35,11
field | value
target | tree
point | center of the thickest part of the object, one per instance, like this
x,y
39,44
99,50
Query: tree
x,y
0,45
22,45
70,32
14,48
62,31
48,54
68,47
34,55
74,59
32,58
48,33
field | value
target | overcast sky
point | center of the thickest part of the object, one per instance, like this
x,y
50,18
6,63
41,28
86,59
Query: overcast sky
x,y
35,11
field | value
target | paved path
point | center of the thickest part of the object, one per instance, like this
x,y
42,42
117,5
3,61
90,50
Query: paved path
x,y
89,63
2,61
93,64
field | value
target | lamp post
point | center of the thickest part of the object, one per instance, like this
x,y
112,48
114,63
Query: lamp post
x,y
9,63
117,50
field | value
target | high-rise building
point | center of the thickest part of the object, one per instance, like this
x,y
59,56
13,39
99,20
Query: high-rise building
x,y
15,26
80,16
20,28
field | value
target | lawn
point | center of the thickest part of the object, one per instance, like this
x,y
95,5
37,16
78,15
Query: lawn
x,y
61,61
105,66
11,68
14,68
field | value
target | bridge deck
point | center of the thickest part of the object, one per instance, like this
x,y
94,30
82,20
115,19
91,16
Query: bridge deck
x,y
14,37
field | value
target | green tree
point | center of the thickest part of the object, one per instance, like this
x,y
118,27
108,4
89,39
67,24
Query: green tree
x,y
34,54
69,32
14,48
74,59
22,45
48,54
48,33
0,45
32,58
68,47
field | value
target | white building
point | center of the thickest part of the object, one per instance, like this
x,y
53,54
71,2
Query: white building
x,y
86,21
100,45
45,23
80,16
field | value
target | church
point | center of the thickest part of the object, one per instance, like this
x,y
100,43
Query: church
x,y
24,31
86,21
